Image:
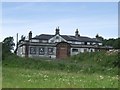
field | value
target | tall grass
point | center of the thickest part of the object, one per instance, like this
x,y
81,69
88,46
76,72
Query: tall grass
x,y
96,62
101,58
86,70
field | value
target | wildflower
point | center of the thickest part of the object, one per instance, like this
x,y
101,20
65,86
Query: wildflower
x,y
74,83
108,76
110,80
101,77
109,69
68,83
72,77
45,79
114,77
112,83
45,76
29,80
28,76
59,79
90,81
80,80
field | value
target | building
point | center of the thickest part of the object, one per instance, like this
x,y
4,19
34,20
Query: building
x,y
57,45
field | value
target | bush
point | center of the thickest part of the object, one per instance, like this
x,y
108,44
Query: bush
x,y
100,58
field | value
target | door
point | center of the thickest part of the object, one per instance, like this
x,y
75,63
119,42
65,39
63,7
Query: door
x,y
63,50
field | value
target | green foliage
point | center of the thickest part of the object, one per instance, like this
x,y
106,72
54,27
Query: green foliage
x,y
102,58
30,78
115,43
88,71
7,46
96,62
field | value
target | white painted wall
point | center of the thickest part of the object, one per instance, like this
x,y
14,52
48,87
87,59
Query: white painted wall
x,y
74,42
54,39
34,40
99,43
21,51
81,50
46,52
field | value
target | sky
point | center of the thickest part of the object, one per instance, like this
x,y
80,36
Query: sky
x,y
90,18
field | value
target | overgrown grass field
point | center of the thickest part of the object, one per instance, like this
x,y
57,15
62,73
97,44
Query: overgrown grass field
x,y
86,70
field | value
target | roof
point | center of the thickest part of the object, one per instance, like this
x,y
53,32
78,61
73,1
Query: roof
x,y
80,39
43,37
67,37
95,39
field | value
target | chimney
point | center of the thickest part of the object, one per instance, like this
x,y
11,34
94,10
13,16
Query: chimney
x,y
57,31
77,33
30,35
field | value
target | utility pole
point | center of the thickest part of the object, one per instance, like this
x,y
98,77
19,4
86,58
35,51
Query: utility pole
x,y
17,41
16,44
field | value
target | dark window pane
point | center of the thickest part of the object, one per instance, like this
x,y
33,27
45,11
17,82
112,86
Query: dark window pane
x,y
32,50
85,43
41,51
57,37
74,50
50,51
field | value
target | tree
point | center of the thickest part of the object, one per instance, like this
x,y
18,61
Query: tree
x,y
116,43
7,46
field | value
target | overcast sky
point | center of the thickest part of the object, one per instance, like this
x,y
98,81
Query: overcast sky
x,y
43,17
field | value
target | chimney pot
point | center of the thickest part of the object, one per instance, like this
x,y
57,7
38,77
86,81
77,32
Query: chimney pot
x,y
57,31
30,35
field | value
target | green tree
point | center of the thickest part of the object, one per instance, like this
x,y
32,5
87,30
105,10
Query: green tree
x,y
7,46
116,43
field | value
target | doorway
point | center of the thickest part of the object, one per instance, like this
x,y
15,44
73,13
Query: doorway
x,y
63,50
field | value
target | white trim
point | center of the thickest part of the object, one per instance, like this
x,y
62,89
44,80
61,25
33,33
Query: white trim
x,y
54,40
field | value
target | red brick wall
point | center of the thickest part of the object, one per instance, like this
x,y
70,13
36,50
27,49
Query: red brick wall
x,y
63,50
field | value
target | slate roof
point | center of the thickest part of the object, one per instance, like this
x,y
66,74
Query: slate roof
x,y
67,37
43,37
82,38
95,39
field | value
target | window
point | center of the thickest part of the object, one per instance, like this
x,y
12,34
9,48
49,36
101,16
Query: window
x,y
85,43
34,40
85,50
88,43
44,41
57,37
50,51
91,50
41,51
32,50
74,50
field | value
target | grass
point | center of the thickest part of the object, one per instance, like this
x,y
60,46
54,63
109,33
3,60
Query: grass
x,y
26,78
0,74
73,73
